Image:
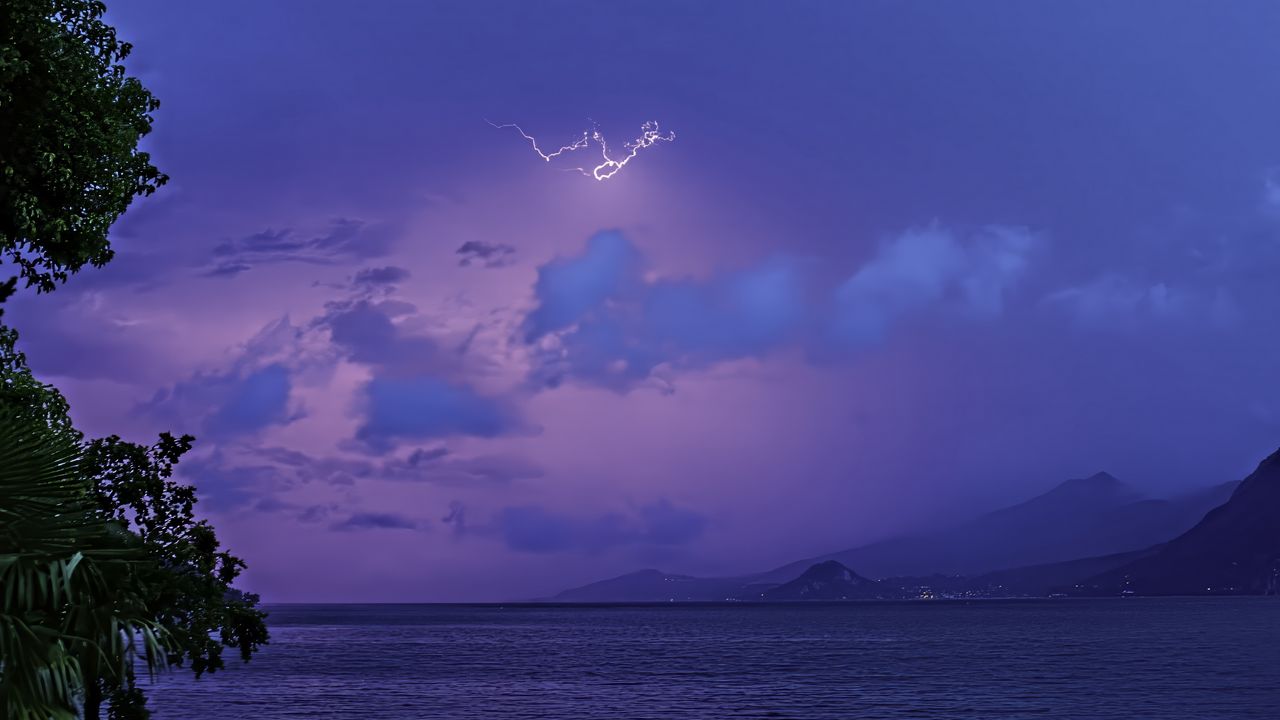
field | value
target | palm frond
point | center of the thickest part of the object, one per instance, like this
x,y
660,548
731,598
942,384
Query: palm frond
x,y
65,578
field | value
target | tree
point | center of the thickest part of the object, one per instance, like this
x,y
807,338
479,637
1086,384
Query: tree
x,y
22,395
182,580
69,606
188,589
70,122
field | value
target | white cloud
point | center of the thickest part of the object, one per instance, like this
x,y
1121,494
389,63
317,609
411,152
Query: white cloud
x,y
927,266
1116,301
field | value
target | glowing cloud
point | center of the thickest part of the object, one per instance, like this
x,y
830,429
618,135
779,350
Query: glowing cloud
x,y
609,165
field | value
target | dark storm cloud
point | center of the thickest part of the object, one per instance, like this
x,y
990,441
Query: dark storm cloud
x,y
534,529
484,253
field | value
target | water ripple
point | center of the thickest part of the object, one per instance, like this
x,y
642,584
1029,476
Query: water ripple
x,y
1153,659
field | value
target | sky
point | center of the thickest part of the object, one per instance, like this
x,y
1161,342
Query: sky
x,y
901,263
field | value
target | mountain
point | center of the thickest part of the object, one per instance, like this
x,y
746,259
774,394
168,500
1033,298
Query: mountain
x,y
824,581
1086,517
1042,580
1235,549
654,586
1094,518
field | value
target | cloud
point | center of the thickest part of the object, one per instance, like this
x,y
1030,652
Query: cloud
x,y
367,333
304,468
315,513
456,518
82,341
225,485
568,289
227,404
418,391
227,269
1116,302
665,524
924,267
482,253
376,521
418,408
434,465
1271,193
423,456
732,315
252,394
343,240
597,320
374,276
534,529
253,402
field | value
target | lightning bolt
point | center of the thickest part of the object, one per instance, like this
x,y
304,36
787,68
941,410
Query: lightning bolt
x,y
609,166
579,144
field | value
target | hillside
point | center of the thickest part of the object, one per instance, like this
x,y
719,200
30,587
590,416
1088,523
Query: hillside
x,y
1093,522
1235,549
1082,518
824,581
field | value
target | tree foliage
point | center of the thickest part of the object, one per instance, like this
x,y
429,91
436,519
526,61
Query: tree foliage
x,y
99,544
24,396
70,122
72,594
188,586
181,580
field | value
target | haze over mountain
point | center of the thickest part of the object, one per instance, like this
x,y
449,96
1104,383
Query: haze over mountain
x,y
1084,517
1235,549
651,585
1094,517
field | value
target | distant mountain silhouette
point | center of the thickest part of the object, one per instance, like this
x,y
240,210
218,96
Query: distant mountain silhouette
x,y
825,581
1234,550
1042,580
654,586
1087,517
1098,518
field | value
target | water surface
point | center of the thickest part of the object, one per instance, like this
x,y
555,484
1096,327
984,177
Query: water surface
x,y
1140,658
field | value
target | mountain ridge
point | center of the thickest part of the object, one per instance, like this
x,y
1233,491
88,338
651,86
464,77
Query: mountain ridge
x,y
1233,550
1080,519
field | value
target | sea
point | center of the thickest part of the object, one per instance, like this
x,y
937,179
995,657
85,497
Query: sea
x,y
1176,658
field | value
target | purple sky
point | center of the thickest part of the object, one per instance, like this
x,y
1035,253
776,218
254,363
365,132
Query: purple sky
x,y
903,262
